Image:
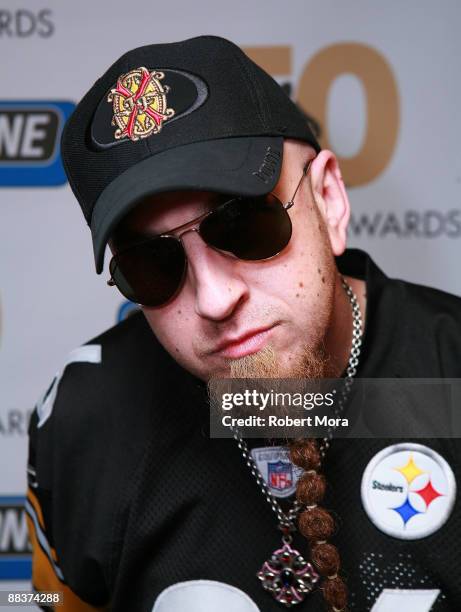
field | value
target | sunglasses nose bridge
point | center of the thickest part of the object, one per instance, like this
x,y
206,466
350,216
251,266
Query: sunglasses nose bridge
x,y
196,229
190,229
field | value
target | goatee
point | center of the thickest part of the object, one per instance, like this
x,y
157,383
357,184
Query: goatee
x,y
311,363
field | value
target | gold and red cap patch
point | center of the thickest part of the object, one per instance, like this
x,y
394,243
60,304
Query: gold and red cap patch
x,y
139,103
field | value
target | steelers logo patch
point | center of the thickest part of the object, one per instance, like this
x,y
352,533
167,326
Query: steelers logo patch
x,y
408,491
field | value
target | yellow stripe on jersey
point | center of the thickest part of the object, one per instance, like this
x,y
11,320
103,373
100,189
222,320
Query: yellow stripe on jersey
x,y
32,498
44,572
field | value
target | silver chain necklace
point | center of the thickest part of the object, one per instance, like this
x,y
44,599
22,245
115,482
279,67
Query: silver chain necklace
x,y
287,575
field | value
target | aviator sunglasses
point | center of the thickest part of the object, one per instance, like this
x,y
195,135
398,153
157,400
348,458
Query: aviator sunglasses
x,y
150,273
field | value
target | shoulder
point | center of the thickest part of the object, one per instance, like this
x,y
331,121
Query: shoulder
x,y
88,437
398,294
427,326
111,398
411,330
432,324
425,308
105,404
110,379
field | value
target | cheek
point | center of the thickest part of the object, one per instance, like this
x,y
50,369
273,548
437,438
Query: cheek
x,y
303,271
171,326
311,242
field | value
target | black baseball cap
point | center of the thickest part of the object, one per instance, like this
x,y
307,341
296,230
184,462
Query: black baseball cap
x,y
190,115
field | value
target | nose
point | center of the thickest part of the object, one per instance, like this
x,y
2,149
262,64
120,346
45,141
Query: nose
x,y
214,278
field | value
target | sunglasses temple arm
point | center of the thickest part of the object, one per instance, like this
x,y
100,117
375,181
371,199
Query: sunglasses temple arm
x,y
305,171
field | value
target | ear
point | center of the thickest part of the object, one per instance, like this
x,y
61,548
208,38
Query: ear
x,y
331,198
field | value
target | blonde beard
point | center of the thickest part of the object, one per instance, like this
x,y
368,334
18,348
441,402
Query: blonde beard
x,y
312,363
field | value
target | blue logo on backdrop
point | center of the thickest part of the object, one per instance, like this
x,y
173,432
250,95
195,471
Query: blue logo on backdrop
x,y
30,134
15,551
125,310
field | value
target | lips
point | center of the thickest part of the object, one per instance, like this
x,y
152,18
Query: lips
x,y
244,344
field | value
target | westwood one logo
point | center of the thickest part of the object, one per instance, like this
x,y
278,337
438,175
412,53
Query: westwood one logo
x,y
15,550
30,133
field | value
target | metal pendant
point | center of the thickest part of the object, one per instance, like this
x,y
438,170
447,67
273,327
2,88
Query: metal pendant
x,y
287,576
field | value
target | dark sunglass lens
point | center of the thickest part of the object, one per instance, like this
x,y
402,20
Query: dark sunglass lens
x,y
250,228
150,273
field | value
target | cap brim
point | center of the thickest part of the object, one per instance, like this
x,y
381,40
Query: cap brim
x,y
245,166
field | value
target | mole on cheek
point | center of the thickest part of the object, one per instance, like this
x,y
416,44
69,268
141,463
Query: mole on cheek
x,y
301,284
179,311
323,279
297,295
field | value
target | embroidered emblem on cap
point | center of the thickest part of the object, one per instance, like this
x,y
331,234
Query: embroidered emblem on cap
x,y
408,490
277,470
139,104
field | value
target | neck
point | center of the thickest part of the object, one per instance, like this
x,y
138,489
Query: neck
x,y
339,336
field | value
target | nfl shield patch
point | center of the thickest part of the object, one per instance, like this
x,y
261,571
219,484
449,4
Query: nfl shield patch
x,y
277,470
280,475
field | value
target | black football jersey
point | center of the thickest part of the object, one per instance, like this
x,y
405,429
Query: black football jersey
x,y
132,507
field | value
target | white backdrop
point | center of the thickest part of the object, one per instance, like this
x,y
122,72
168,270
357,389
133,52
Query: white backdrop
x,y
381,78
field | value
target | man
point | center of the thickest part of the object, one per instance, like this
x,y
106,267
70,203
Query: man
x,y
227,223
